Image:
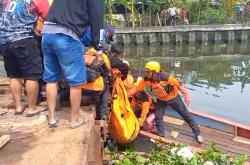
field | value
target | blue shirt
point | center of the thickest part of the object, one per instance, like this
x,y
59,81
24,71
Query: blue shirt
x,y
17,20
86,40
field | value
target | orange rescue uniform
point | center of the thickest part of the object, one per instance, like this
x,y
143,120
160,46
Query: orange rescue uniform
x,y
167,88
129,81
98,84
144,105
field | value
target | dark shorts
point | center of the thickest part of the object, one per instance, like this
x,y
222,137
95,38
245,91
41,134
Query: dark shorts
x,y
22,59
173,18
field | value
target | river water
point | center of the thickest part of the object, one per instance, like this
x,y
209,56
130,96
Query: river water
x,y
217,75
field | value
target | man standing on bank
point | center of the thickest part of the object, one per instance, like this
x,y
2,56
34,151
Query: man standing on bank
x,y
63,51
22,60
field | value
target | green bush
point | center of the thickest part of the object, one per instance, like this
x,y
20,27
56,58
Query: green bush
x,y
193,12
174,154
212,15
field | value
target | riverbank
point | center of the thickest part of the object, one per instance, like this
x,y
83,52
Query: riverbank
x,y
184,33
33,142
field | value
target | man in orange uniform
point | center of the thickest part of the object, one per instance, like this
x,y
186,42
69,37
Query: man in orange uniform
x,y
145,103
167,90
99,87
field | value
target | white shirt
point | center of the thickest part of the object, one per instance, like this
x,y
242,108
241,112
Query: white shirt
x,y
172,11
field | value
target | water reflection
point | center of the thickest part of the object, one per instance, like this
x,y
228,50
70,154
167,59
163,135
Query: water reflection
x,y
189,50
218,84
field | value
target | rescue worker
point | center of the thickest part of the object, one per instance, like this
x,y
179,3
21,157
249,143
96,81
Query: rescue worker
x,y
167,90
128,78
142,103
98,87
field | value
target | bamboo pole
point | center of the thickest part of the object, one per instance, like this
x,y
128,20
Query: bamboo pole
x,y
110,11
132,12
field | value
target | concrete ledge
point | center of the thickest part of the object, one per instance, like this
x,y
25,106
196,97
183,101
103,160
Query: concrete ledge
x,y
187,33
184,28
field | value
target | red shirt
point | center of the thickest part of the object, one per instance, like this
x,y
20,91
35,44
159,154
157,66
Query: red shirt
x,y
183,14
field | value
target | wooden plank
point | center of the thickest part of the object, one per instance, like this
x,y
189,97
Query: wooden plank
x,y
4,140
242,140
204,121
203,129
216,118
173,120
212,121
95,146
217,138
229,151
226,144
4,82
226,148
214,136
222,147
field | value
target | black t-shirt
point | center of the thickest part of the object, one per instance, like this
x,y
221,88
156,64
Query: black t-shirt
x,y
77,15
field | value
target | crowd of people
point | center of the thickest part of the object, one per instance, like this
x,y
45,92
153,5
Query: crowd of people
x,y
70,43
171,15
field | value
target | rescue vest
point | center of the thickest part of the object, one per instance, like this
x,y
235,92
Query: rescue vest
x,y
97,85
95,66
165,87
123,124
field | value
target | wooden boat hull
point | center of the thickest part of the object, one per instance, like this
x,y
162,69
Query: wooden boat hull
x,y
215,122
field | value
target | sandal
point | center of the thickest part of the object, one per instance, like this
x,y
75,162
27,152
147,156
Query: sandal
x,y
53,125
35,113
78,123
19,112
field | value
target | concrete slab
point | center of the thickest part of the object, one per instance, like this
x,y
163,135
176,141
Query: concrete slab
x,y
38,144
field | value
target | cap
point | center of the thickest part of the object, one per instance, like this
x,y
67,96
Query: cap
x,y
110,28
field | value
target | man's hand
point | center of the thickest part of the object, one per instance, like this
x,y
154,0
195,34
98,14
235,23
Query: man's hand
x,y
141,121
185,93
187,99
99,56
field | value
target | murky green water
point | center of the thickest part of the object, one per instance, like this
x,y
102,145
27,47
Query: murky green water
x,y
217,76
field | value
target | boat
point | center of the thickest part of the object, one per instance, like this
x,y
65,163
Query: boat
x,y
228,136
